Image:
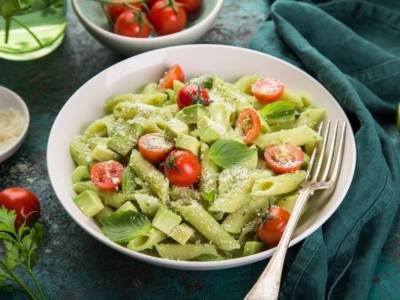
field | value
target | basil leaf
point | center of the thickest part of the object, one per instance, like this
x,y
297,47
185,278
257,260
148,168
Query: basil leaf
x,y
229,153
121,227
209,197
278,110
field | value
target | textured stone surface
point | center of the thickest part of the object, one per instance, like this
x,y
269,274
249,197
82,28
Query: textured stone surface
x,y
73,265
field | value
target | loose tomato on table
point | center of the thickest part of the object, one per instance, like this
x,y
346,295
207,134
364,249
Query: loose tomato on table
x,y
249,123
174,73
133,24
190,6
267,90
285,158
154,147
167,17
24,202
182,168
114,10
272,225
192,94
107,175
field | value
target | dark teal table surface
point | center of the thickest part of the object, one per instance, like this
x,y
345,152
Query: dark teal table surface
x,y
73,265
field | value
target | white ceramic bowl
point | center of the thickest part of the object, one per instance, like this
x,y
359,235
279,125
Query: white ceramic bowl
x,y
93,18
10,99
86,105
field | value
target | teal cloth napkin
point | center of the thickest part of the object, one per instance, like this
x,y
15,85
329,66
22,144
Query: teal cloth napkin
x,y
353,49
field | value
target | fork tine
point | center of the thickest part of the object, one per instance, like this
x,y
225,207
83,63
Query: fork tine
x,y
338,160
314,154
331,153
321,152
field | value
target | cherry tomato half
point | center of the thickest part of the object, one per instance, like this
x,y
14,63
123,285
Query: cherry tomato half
x,y
107,175
250,124
182,168
24,202
167,17
267,90
190,6
114,10
174,73
286,158
270,231
132,24
192,94
154,147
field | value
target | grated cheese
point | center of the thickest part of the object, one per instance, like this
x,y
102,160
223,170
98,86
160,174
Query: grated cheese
x,y
11,125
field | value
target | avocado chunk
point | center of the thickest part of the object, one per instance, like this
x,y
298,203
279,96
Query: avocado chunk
x,y
89,203
210,131
82,186
182,233
192,114
176,127
127,206
102,153
166,220
105,212
148,204
81,173
121,144
188,142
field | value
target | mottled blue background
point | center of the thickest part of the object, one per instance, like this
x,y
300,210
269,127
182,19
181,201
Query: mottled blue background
x,y
73,265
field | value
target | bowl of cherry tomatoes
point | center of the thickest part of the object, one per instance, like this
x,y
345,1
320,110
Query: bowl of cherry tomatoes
x,y
134,26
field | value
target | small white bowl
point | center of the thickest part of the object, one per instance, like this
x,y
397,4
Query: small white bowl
x,y
10,99
93,18
225,61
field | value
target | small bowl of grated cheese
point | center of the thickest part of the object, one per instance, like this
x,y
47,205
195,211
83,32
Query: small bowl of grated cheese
x,y
14,122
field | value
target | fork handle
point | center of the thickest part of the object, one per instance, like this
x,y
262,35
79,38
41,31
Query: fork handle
x,y
267,285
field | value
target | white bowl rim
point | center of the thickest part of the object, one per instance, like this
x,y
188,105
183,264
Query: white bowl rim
x,y
152,40
7,152
206,265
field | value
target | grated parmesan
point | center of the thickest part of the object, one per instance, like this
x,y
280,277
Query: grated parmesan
x,y
11,125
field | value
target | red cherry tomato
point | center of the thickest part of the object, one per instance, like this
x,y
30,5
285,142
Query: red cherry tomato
x,y
190,6
174,73
182,168
267,90
286,158
114,10
154,147
107,175
24,202
250,124
150,3
192,94
167,17
132,24
270,231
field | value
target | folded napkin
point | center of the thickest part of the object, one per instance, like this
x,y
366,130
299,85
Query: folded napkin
x,y
353,49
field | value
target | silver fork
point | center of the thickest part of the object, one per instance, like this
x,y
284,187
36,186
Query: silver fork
x,y
322,173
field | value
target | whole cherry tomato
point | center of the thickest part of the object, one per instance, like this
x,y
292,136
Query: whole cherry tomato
x,y
271,229
190,6
182,168
167,17
192,94
133,24
23,201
